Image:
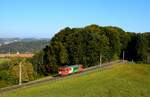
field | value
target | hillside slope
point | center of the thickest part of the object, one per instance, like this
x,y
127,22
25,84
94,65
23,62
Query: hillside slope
x,y
126,80
23,46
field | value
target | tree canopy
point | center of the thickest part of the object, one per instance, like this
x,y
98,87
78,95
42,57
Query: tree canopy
x,y
85,45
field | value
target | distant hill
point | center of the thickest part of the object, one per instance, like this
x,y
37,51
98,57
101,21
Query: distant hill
x,y
11,40
8,40
26,45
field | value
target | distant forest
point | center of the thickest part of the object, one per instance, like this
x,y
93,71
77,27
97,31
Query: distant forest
x,y
86,45
25,46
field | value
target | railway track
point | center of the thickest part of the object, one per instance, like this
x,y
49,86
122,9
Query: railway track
x,y
56,77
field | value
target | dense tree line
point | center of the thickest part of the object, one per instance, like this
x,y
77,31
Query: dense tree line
x,y
86,45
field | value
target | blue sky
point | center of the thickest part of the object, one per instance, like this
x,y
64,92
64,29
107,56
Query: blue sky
x,y
44,18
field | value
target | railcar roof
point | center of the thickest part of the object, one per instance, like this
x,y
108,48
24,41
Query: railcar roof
x,y
70,66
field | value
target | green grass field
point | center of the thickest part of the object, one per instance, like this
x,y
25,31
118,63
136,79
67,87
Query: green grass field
x,y
126,80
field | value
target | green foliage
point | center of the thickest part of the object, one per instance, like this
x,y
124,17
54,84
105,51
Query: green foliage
x,y
9,71
4,74
137,48
27,70
37,62
85,45
63,55
5,77
4,64
82,46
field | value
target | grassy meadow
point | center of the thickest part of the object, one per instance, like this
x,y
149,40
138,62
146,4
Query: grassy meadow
x,y
123,80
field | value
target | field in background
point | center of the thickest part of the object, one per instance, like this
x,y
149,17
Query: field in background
x,y
126,80
29,55
2,60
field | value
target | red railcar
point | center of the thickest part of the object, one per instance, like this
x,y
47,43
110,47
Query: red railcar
x,y
66,70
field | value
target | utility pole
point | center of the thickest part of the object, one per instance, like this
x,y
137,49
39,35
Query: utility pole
x,y
123,55
100,59
42,58
20,73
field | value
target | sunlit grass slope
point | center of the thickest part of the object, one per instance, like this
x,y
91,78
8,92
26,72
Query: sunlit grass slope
x,y
126,80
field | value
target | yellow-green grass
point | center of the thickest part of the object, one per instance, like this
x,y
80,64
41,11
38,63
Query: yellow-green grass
x,y
125,80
